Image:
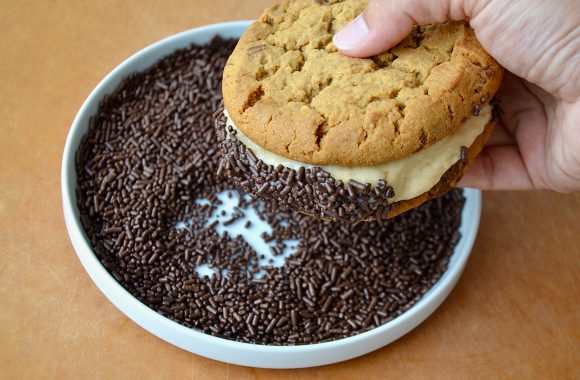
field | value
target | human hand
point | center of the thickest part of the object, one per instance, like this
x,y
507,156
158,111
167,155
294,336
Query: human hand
x,y
537,143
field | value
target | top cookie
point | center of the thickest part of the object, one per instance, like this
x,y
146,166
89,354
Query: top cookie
x,y
289,90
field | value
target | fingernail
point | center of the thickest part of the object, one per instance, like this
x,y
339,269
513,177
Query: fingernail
x,y
352,35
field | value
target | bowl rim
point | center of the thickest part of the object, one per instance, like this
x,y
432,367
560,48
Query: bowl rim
x,y
125,301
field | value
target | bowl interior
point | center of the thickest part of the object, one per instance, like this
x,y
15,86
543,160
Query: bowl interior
x,y
219,348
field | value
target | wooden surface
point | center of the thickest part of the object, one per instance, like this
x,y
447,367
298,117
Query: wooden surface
x,y
514,314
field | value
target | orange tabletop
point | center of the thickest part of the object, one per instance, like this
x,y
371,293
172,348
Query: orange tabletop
x,y
514,313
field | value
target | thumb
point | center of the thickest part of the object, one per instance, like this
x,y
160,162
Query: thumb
x,y
384,23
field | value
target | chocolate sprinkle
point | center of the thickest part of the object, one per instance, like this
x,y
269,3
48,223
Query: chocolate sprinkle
x,y
151,152
312,190
497,112
255,49
463,155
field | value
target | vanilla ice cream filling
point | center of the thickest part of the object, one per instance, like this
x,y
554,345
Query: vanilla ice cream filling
x,y
409,176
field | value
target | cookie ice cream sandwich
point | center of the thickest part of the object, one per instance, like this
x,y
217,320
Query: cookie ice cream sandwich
x,y
343,138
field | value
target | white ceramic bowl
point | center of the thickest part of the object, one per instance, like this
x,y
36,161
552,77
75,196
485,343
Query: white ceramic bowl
x,y
207,345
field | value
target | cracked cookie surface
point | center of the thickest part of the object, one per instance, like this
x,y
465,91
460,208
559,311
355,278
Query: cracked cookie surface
x,y
288,89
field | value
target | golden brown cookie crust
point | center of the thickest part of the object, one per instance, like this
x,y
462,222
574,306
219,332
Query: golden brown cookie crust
x,y
288,89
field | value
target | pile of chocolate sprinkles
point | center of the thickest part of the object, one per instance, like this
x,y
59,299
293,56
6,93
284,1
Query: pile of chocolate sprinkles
x,y
312,191
152,151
